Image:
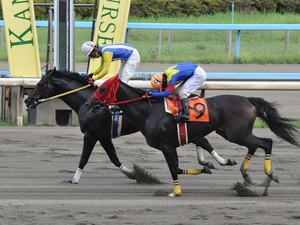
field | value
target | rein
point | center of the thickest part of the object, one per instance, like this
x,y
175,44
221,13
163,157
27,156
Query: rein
x,y
65,93
129,100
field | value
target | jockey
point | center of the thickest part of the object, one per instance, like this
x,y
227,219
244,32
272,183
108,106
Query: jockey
x,y
190,75
112,52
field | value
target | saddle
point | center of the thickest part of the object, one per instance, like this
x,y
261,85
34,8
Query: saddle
x,y
197,108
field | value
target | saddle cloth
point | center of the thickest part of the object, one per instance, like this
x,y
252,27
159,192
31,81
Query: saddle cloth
x,y
116,127
197,108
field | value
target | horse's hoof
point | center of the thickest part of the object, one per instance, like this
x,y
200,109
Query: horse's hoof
x,y
247,179
206,169
231,162
73,181
210,166
275,178
172,195
130,175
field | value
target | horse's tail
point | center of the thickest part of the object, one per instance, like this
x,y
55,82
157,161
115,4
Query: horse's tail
x,y
279,125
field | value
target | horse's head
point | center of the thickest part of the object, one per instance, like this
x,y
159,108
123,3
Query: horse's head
x,y
105,94
53,83
41,90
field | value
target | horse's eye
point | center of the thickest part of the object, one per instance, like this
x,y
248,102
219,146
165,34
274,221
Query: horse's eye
x,y
101,90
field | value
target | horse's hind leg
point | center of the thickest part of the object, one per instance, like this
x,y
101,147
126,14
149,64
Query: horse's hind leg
x,y
193,171
252,143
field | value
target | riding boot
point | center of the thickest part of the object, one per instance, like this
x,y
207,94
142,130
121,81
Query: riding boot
x,y
184,113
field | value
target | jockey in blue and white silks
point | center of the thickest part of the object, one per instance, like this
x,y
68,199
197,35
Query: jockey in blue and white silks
x,y
111,52
192,76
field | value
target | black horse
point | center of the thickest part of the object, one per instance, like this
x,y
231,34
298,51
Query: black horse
x,y
97,126
231,116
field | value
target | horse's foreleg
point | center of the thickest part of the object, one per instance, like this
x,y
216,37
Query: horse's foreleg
x,y
111,152
205,169
177,189
76,177
88,146
128,173
170,155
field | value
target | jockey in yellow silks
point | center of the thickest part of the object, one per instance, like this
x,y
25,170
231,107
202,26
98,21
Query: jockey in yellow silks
x,y
129,56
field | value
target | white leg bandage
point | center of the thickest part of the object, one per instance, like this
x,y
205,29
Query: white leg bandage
x,y
200,154
219,159
124,169
76,177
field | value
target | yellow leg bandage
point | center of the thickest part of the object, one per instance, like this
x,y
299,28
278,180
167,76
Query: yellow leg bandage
x,y
177,189
193,171
246,162
268,169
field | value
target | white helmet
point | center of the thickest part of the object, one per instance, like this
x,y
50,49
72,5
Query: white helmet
x,y
87,47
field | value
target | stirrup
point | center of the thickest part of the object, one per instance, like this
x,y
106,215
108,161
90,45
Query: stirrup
x,y
115,108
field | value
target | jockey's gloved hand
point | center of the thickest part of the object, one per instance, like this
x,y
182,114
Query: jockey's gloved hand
x,y
90,81
89,78
147,94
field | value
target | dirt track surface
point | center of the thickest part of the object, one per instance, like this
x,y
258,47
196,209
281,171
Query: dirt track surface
x,y
37,163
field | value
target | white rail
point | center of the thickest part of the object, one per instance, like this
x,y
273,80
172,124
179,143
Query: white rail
x,y
208,85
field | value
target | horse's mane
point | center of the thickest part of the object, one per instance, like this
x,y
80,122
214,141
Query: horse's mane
x,y
137,90
68,75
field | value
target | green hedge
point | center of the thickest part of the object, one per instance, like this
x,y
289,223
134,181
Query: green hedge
x,y
175,8
178,8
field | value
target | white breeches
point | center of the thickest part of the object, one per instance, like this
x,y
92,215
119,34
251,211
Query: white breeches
x,y
128,67
193,83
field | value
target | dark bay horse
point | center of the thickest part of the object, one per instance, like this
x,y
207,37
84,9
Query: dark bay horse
x,y
95,126
231,116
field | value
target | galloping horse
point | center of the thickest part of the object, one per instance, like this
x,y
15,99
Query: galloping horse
x,y
231,116
95,126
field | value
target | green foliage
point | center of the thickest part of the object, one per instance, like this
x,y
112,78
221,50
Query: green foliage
x,y
84,12
5,123
175,8
41,12
261,124
179,8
